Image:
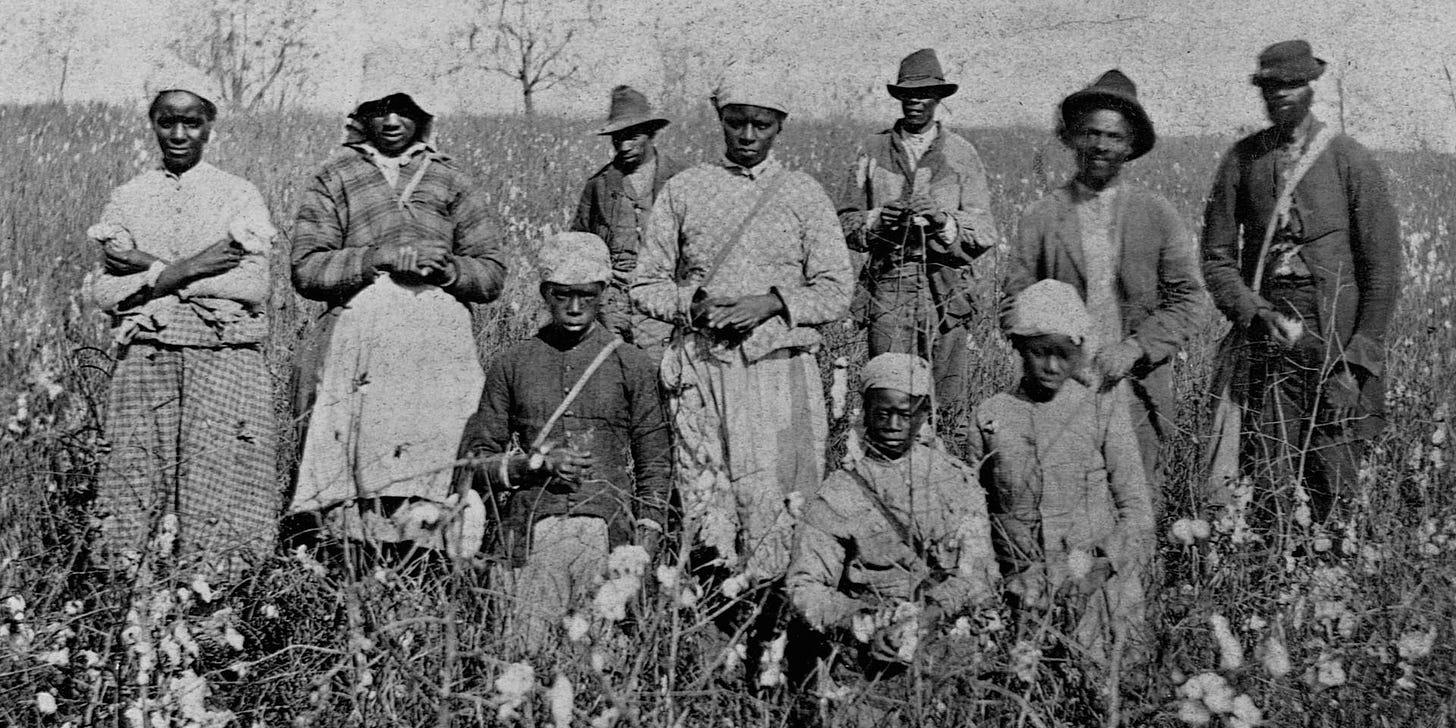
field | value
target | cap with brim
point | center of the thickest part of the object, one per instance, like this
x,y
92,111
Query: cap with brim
x,y
1112,90
629,110
1286,62
1050,307
920,75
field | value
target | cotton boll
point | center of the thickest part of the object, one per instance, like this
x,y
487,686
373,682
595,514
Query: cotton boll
x,y
1230,652
1192,712
1275,658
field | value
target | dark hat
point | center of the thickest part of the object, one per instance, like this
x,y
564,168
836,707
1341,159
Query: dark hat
x,y
1112,90
1290,61
630,108
920,73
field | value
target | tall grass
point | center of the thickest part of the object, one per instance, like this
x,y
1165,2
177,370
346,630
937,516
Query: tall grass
x,y
1331,629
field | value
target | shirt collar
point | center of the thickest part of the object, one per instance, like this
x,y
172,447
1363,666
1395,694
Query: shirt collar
x,y
923,138
201,169
766,167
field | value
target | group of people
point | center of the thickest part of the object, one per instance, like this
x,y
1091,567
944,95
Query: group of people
x,y
674,396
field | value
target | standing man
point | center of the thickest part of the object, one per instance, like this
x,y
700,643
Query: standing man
x,y
597,476
744,256
615,204
1127,254
918,204
1301,249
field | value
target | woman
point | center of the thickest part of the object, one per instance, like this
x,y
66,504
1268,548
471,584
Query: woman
x,y
189,417
394,237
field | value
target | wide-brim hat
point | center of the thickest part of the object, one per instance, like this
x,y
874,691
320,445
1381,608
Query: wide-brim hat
x,y
1290,61
629,108
1112,90
920,74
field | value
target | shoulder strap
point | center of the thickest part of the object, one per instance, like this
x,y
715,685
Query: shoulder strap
x,y
409,189
758,205
575,391
901,528
1282,204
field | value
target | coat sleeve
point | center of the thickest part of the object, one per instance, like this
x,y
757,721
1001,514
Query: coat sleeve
x,y
1130,496
581,222
651,443
854,204
1220,246
968,554
828,280
323,268
480,268
656,290
1180,288
1376,248
487,434
250,282
816,568
107,291
976,230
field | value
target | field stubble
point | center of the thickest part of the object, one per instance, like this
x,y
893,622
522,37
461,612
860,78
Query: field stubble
x,y
1358,633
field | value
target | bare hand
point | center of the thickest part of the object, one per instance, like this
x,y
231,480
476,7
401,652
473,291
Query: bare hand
x,y
434,260
128,262
218,258
1276,328
395,257
743,315
923,206
894,214
1115,361
568,463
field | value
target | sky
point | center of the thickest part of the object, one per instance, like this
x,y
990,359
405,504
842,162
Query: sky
x,y
1014,59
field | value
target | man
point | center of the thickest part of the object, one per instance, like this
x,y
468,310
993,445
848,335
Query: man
x,y
1125,251
1302,252
745,257
898,544
599,476
615,204
918,203
399,241
185,283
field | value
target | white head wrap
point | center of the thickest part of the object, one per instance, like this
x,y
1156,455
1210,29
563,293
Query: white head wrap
x,y
752,89
1050,307
575,258
902,372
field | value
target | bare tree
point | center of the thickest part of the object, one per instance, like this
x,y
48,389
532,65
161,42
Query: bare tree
x,y
531,42
256,50
48,34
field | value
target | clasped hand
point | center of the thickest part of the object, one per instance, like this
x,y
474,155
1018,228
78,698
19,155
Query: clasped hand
x,y
427,259
737,315
901,212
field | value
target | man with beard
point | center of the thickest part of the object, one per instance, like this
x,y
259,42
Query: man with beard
x,y
1302,252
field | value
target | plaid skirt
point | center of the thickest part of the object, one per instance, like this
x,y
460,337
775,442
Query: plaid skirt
x,y
193,436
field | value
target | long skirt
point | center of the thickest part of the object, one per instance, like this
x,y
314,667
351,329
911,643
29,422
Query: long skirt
x,y
749,444
193,437
401,377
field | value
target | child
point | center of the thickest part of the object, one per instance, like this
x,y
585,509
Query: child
x,y
1069,503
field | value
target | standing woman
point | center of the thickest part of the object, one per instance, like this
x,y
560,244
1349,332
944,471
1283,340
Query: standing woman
x,y
189,415
394,237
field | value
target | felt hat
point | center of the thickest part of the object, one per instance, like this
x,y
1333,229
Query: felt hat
x,y
629,108
1290,61
1050,307
572,259
751,89
920,73
901,372
1112,90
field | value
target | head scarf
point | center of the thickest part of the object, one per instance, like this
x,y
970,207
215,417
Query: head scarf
x,y
901,372
575,258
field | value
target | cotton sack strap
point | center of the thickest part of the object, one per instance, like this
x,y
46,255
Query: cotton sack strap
x,y
763,199
1285,200
575,391
901,528
414,183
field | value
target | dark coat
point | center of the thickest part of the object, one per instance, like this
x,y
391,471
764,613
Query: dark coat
x,y
612,212
1158,282
1351,246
